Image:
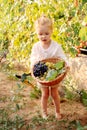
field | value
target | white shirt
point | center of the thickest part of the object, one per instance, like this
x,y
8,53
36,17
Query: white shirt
x,y
39,53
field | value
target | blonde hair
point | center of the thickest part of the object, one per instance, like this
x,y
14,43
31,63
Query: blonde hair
x,y
43,20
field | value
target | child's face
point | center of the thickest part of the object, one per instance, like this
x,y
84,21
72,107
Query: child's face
x,y
44,34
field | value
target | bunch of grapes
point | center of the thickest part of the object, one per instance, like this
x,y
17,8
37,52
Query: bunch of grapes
x,y
39,69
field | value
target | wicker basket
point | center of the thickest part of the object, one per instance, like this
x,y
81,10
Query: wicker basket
x,y
55,81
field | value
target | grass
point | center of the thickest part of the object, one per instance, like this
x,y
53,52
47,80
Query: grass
x,y
36,122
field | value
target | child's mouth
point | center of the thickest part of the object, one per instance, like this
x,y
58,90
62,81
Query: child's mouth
x,y
44,40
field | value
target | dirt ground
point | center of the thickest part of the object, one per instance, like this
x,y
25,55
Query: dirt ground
x,y
71,110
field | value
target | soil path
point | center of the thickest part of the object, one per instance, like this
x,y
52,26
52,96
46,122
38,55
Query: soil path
x,y
71,110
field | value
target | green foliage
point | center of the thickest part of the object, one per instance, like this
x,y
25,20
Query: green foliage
x,y
7,123
35,93
84,1
83,34
17,33
84,97
59,65
19,123
80,127
51,74
72,91
71,88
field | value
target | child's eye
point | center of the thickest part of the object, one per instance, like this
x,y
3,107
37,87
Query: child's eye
x,y
47,33
40,33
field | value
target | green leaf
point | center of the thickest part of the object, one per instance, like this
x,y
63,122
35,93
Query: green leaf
x,y
84,97
83,33
61,71
59,65
80,127
84,1
51,75
23,77
72,51
17,106
84,94
84,101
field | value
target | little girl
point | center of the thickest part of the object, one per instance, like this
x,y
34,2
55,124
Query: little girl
x,y
47,48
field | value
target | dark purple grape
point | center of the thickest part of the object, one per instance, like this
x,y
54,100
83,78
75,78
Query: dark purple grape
x,y
39,69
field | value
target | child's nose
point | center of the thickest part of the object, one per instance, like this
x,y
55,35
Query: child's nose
x,y
43,35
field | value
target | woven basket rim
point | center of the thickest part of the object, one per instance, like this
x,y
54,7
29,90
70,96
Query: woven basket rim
x,y
55,81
